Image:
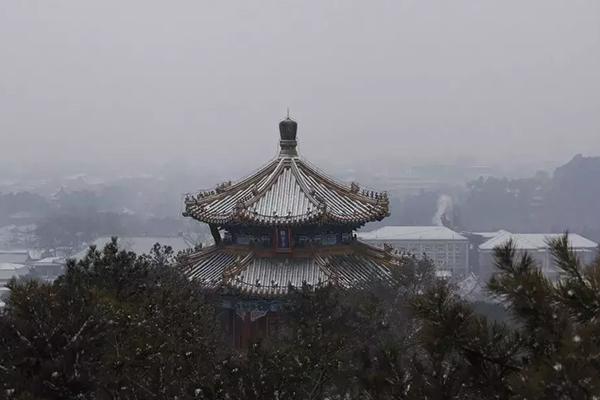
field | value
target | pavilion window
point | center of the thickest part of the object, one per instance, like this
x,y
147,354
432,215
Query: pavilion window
x,y
303,240
330,239
283,239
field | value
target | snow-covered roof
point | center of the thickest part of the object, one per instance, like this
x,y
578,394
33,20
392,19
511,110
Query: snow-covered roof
x,y
8,270
489,235
242,271
13,256
287,191
50,260
139,245
411,233
14,251
536,241
11,266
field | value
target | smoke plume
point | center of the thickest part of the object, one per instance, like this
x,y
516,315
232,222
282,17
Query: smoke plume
x,y
443,214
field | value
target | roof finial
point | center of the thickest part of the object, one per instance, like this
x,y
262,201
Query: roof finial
x,y
287,132
288,113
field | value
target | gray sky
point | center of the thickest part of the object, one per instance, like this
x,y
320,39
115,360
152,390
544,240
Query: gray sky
x,y
423,81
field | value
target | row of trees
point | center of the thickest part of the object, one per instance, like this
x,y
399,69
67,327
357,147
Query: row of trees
x,y
121,326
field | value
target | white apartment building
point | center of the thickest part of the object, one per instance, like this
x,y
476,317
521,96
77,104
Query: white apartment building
x,y
536,245
448,250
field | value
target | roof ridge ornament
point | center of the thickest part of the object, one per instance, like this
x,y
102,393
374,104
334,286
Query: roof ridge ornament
x,y
288,183
287,132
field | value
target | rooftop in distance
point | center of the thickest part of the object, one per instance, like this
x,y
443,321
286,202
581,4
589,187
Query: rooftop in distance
x,y
535,241
433,232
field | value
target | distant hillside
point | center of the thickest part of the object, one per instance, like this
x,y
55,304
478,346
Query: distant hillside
x,y
573,198
570,199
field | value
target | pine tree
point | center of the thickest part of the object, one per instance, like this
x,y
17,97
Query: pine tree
x,y
559,321
115,325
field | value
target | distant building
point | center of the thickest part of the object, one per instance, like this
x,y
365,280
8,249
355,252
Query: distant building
x,y
48,268
13,256
43,266
475,240
536,245
9,271
447,249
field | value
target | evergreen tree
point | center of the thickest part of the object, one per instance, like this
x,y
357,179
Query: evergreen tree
x,y
559,321
121,326
114,326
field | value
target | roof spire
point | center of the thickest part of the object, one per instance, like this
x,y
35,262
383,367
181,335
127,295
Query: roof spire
x,y
287,131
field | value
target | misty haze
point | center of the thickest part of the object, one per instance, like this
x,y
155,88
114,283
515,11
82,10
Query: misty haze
x,y
305,200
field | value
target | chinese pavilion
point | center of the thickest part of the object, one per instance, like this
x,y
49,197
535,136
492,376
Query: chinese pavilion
x,y
287,225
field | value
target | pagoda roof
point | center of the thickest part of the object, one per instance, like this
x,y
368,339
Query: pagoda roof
x,y
248,272
287,191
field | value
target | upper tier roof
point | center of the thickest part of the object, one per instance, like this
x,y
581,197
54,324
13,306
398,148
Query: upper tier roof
x,y
287,191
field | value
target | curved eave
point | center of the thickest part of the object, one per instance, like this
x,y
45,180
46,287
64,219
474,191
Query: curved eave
x,y
239,271
280,192
247,217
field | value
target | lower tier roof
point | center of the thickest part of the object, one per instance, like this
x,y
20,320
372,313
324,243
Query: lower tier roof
x,y
250,272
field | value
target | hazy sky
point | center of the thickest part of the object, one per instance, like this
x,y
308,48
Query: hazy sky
x,y
112,80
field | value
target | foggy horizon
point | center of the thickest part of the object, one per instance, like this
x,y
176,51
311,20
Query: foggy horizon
x,y
142,84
